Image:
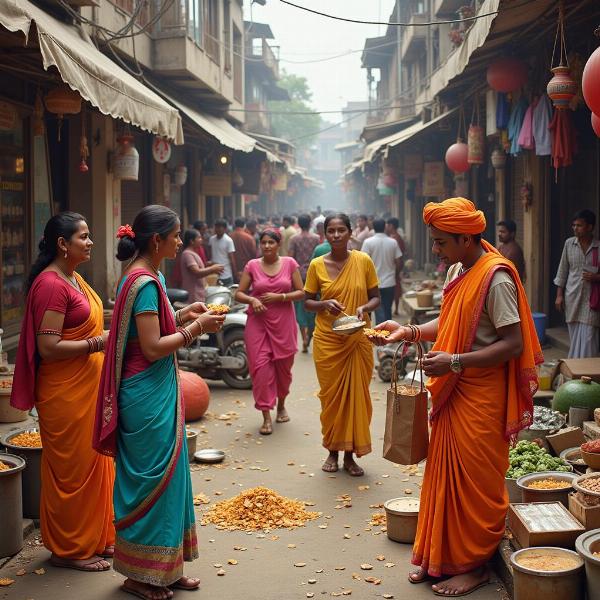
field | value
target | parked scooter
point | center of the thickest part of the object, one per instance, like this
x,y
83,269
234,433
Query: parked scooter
x,y
385,361
219,355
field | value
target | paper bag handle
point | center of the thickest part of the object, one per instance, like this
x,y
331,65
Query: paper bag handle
x,y
401,346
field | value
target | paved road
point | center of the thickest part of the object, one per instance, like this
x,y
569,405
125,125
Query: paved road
x,y
332,547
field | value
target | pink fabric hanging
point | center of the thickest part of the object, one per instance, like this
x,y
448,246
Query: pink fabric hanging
x,y
526,140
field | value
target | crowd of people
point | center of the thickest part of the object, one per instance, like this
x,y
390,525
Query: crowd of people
x,y
115,478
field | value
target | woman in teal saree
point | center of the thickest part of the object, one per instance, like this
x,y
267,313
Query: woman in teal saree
x,y
140,415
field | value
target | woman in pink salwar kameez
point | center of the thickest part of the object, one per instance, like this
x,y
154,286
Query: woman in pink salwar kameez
x,y
270,285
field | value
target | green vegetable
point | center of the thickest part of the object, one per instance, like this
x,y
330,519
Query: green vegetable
x,y
527,457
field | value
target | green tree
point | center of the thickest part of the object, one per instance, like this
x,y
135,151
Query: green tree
x,y
294,126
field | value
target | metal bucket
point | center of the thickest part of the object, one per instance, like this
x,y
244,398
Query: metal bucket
x,y
11,505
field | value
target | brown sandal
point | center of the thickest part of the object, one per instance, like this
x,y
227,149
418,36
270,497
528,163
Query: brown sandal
x,y
79,565
178,585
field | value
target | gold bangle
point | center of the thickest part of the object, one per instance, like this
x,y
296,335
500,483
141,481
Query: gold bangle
x,y
284,297
178,319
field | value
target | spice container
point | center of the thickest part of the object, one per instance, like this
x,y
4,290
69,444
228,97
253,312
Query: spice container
x,y
191,439
588,547
548,486
11,505
547,571
402,515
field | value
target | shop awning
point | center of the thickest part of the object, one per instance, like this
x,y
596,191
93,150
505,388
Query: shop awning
x,y
100,81
396,139
217,127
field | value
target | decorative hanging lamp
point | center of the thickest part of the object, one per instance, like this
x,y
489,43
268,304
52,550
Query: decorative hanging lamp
x,y
507,74
457,155
590,81
61,101
498,159
127,160
596,124
475,137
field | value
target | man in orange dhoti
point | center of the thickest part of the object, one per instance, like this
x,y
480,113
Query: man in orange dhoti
x,y
482,379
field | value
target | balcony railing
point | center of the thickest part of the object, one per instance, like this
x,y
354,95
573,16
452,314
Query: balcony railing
x,y
143,11
263,51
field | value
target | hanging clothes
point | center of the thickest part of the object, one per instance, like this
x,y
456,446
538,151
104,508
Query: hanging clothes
x,y
542,115
564,141
515,123
526,140
502,111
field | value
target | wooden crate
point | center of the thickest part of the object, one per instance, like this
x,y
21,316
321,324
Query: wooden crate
x,y
543,524
588,516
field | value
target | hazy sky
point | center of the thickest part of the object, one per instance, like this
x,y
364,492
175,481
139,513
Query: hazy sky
x,y
303,36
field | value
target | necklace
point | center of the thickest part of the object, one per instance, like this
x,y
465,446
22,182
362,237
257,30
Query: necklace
x,y
149,263
72,280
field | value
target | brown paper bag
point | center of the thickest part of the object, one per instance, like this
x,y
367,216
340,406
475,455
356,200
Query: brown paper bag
x,y
406,438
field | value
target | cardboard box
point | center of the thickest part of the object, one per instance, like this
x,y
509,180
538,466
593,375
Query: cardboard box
x,y
543,524
576,368
569,437
588,516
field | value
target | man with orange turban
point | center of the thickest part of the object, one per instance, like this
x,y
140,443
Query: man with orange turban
x,y
482,379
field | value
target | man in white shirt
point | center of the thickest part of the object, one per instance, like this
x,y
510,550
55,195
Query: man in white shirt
x,y
223,251
360,233
387,257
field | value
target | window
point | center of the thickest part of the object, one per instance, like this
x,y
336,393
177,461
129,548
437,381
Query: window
x,y
435,46
195,21
227,35
237,65
140,7
211,22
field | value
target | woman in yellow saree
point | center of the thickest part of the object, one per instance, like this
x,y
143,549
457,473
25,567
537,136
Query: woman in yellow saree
x,y
58,371
345,281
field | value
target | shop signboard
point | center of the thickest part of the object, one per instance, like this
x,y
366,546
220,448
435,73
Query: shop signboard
x,y
216,184
433,179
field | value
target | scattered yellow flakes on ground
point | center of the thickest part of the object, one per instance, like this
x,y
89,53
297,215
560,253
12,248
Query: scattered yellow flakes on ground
x,y
378,520
300,564
408,491
40,571
291,545
232,561
21,572
5,581
201,499
366,567
258,508
221,572
380,557
362,488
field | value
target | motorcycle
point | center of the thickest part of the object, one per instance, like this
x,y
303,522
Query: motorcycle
x,y
219,355
385,361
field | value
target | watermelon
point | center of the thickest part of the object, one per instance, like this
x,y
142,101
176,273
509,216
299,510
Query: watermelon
x,y
582,393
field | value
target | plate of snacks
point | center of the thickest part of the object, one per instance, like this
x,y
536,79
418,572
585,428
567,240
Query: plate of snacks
x,y
377,333
218,309
347,325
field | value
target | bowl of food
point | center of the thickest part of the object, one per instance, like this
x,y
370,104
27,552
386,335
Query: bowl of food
x,y
548,486
588,488
574,457
590,453
347,325
209,456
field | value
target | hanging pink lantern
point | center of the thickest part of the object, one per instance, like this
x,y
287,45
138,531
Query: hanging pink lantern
x,y
590,82
596,124
562,88
457,157
507,74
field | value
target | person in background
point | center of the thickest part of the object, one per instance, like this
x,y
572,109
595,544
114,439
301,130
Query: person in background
x,y
245,246
393,230
193,270
343,280
577,273
57,370
270,285
252,229
140,416
222,250
301,250
509,247
288,231
203,249
317,227
482,378
360,233
321,250
387,257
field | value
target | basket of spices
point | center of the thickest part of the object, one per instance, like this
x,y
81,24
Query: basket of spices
x,y
549,486
556,572
27,443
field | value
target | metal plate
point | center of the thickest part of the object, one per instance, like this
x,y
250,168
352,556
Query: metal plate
x,y
209,455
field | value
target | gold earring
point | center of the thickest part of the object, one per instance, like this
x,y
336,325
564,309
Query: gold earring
x,y
156,247
65,254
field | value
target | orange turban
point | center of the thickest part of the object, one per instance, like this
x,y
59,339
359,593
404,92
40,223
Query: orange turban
x,y
455,215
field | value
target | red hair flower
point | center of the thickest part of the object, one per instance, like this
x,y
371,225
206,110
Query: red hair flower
x,y
125,231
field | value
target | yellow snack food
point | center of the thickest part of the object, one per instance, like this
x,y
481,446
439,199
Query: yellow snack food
x,y
382,333
218,309
549,484
27,439
4,466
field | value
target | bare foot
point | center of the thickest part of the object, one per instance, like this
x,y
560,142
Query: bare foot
x,y
93,564
418,576
146,591
108,552
461,585
353,469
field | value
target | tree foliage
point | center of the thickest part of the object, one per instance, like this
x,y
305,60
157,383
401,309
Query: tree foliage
x,y
293,126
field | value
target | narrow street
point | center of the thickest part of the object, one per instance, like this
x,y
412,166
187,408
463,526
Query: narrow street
x,y
332,548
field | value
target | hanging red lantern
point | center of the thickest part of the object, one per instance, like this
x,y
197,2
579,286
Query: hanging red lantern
x,y
457,157
590,82
507,74
63,101
562,88
596,124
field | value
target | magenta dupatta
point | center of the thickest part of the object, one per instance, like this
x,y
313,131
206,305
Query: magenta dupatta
x,y
107,407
